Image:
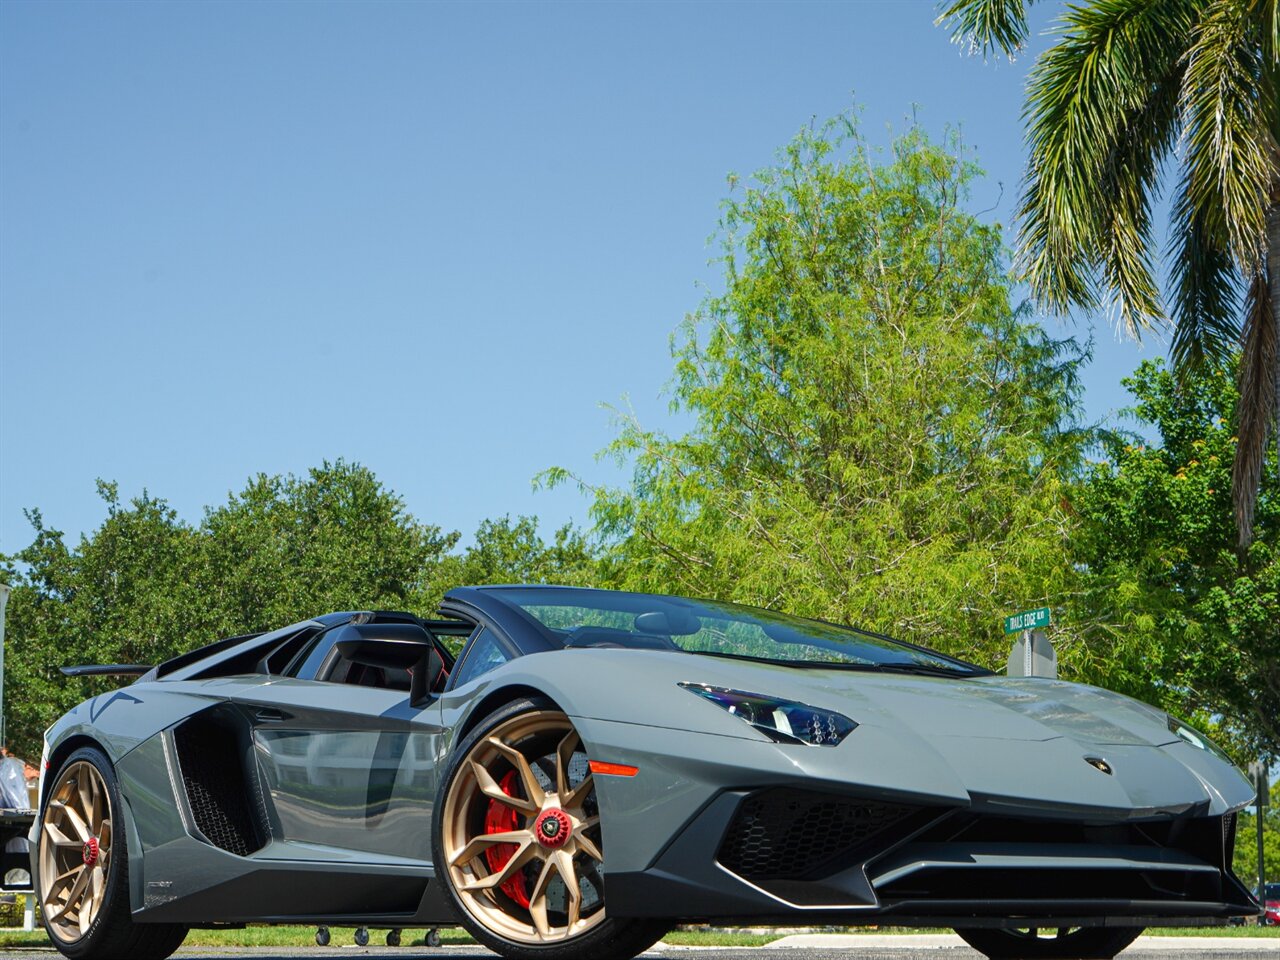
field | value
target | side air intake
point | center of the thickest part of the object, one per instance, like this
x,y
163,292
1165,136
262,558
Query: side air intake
x,y
212,760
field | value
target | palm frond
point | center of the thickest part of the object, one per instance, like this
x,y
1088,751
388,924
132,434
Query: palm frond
x,y
1259,393
1206,288
1269,17
1228,111
1128,182
1101,115
988,25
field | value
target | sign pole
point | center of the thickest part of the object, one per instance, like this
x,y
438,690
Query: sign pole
x,y
1260,781
1258,771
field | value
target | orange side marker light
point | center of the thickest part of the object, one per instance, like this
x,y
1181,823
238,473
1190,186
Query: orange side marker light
x,y
613,769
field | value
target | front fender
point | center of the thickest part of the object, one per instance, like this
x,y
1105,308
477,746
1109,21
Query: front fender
x,y
120,720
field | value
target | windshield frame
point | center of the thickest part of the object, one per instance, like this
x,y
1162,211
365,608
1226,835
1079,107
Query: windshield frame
x,y
515,597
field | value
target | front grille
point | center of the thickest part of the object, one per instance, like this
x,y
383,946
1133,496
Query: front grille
x,y
783,834
938,864
1208,838
212,767
1062,884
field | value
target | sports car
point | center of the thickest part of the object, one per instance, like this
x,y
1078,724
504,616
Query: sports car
x,y
568,773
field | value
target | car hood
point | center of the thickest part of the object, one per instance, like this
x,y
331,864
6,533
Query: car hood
x,y
995,740
986,707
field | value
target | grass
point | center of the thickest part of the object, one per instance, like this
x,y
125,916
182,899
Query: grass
x,y
1249,931
303,936
297,936
719,938
282,936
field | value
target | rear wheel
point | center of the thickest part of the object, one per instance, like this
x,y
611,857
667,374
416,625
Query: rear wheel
x,y
518,842
1051,943
84,872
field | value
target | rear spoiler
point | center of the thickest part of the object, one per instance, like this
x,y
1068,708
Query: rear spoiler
x,y
106,670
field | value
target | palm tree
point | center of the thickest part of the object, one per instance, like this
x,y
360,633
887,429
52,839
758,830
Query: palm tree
x,y
1135,96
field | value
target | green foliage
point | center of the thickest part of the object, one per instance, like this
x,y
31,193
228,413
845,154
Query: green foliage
x,y
146,586
1124,82
880,437
512,551
288,547
1174,615
1246,852
122,596
989,25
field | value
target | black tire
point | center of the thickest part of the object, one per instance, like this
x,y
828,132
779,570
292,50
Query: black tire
x,y
1080,943
113,933
611,938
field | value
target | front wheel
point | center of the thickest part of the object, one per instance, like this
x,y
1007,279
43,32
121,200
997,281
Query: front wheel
x,y
518,842
84,869
1060,943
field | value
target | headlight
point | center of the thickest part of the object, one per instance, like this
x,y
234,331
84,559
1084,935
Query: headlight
x,y
1194,737
782,720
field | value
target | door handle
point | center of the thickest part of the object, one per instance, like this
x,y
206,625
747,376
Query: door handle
x,y
270,715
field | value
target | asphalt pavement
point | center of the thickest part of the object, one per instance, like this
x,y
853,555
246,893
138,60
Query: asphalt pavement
x,y
823,947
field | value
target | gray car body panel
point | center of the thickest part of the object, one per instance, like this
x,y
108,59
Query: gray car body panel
x,y
344,778
992,743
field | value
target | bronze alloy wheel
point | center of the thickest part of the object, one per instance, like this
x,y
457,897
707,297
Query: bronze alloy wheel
x,y
83,876
520,832
75,851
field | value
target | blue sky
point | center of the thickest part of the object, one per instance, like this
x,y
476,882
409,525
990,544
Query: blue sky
x,y
433,238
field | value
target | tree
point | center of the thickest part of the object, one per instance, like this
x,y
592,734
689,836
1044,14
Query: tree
x,y
146,586
1132,89
125,595
507,551
1175,616
880,438
1246,852
287,547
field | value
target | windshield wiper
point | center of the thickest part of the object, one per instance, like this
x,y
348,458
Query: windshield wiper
x,y
926,670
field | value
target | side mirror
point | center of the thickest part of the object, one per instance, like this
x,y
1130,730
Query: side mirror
x,y
370,646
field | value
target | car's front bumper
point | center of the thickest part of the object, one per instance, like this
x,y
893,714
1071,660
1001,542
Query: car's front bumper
x,y
731,830
936,866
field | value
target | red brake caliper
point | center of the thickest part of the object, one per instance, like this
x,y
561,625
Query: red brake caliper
x,y
499,819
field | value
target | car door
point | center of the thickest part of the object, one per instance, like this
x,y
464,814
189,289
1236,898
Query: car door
x,y
342,765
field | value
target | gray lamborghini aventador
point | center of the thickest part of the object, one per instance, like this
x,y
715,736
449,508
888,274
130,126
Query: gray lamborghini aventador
x,y
568,773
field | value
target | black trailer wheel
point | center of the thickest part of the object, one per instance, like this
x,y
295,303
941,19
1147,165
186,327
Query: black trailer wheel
x,y
1060,943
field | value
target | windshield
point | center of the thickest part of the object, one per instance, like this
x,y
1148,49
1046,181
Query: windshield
x,y
605,618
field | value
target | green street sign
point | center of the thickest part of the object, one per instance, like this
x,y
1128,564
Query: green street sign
x,y
1027,620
